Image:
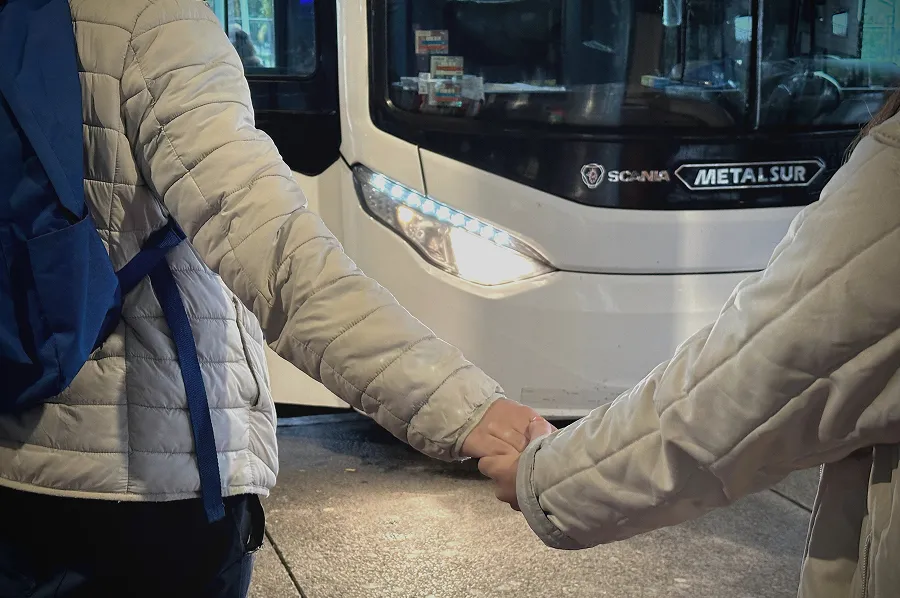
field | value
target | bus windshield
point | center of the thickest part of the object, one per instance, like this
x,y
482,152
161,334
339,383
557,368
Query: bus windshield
x,y
709,64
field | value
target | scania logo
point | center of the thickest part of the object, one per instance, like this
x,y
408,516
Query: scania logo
x,y
750,175
592,175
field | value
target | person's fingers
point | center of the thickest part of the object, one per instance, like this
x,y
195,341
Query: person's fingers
x,y
509,435
494,467
507,421
480,444
507,495
539,427
503,471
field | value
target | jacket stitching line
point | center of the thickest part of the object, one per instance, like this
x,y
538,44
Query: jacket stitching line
x,y
112,188
231,193
213,63
175,359
342,379
192,318
249,185
102,24
131,184
296,249
303,346
405,350
601,460
269,221
431,395
125,101
622,517
893,140
102,127
97,73
134,231
178,115
410,426
352,325
203,157
192,269
177,19
183,452
327,285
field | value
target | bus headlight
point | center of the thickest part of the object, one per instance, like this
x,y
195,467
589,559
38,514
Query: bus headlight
x,y
451,240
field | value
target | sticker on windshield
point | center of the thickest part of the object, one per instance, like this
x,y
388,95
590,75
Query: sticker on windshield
x,y
424,83
750,175
445,93
446,66
432,41
473,88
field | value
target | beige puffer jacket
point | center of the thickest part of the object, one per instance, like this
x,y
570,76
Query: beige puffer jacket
x,y
168,126
802,367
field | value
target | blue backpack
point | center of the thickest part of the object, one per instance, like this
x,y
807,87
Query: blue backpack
x,y
59,295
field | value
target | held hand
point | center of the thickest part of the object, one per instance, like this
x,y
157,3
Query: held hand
x,y
503,468
504,430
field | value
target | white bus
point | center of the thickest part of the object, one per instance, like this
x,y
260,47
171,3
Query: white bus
x,y
564,189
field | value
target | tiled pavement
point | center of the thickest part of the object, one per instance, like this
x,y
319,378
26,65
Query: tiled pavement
x,y
357,514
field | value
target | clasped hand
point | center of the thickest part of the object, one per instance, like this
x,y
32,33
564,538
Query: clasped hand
x,y
499,438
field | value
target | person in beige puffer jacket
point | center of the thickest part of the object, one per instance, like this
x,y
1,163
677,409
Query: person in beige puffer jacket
x,y
801,368
99,487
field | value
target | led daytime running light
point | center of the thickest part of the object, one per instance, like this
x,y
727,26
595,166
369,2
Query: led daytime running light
x,y
450,239
435,209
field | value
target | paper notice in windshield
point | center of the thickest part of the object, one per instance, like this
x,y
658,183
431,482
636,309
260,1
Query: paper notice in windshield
x,y
473,88
424,82
432,41
444,67
445,93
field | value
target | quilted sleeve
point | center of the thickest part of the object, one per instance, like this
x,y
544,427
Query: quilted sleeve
x,y
190,123
799,369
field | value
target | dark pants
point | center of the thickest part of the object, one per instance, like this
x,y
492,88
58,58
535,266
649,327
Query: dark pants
x,y
76,548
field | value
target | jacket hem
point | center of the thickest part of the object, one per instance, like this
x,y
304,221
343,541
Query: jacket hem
x,y
127,496
530,505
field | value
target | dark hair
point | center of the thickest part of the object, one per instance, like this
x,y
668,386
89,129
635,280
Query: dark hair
x,y
890,108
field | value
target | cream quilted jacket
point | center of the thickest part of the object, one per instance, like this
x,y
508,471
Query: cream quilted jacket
x,y
801,368
168,127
